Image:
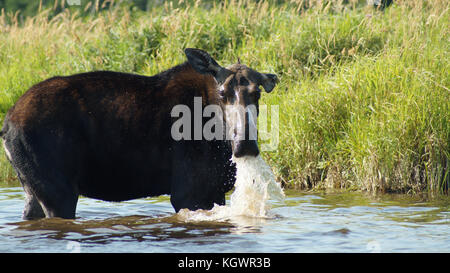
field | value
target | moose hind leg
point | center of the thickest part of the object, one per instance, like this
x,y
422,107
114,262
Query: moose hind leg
x,y
45,198
33,209
61,207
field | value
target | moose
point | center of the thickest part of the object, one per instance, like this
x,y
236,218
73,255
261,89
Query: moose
x,y
107,135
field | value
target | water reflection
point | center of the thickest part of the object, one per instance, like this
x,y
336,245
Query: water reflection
x,y
126,228
304,222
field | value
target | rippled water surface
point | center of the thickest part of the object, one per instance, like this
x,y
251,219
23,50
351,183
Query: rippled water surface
x,y
302,222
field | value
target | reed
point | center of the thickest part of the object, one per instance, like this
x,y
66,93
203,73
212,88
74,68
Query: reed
x,y
364,95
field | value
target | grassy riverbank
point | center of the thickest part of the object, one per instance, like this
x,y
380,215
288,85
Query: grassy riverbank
x,y
364,95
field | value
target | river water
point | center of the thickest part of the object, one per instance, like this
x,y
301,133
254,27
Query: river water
x,y
297,222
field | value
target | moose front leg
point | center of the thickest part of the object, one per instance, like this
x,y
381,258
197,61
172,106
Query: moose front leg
x,y
194,183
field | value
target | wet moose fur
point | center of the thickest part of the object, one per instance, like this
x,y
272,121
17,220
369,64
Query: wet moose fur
x,y
107,135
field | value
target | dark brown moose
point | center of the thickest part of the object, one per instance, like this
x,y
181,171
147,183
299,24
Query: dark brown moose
x,y
107,135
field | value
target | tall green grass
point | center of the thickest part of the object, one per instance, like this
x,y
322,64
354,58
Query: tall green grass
x,y
364,95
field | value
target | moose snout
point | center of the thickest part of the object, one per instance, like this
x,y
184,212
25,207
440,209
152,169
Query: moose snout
x,y
246,148
245,134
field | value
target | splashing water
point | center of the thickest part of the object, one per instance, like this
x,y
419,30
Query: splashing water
x,y
255,184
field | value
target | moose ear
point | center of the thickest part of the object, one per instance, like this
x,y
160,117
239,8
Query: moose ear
x,y
269,81
201,61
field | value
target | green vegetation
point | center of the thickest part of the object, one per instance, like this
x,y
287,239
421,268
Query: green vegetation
x,y
364,95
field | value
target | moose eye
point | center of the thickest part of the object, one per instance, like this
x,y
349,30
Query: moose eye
x,y
244,82
222,91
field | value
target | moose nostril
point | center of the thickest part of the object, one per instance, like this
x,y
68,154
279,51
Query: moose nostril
x,y
246,148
